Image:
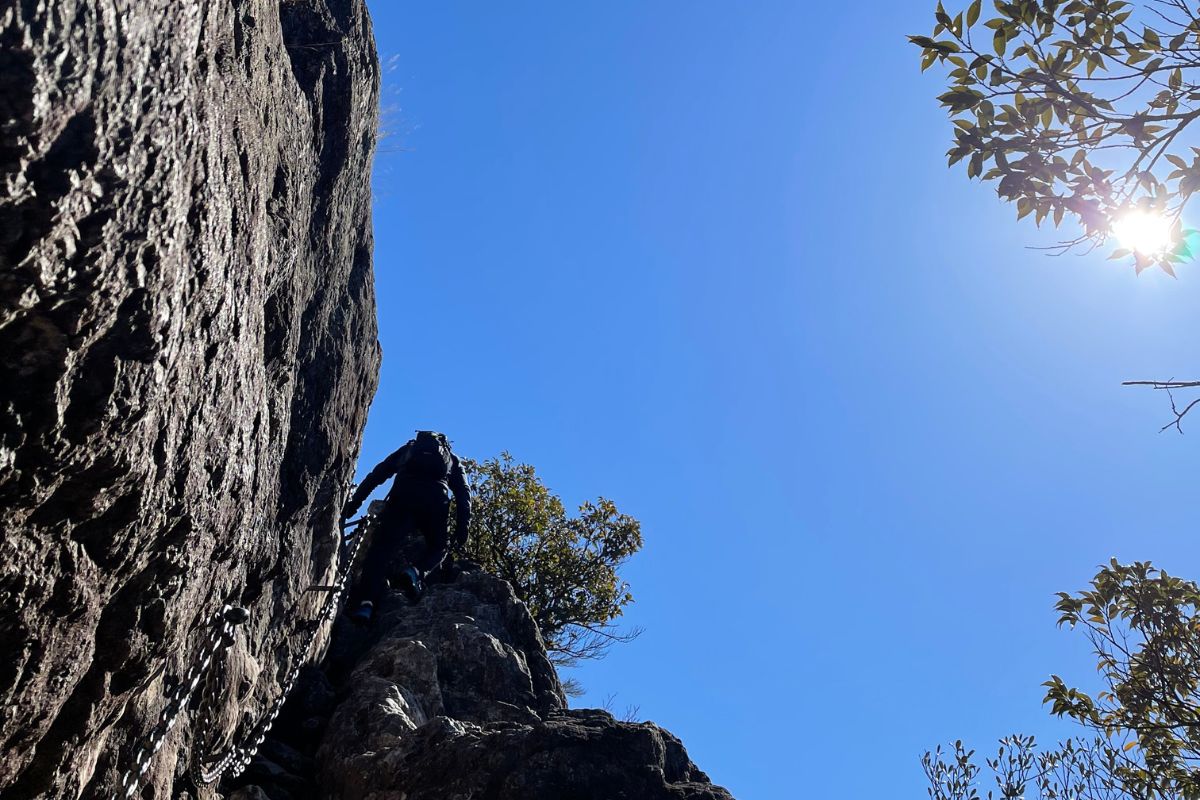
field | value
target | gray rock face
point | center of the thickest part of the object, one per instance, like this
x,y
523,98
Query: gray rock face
x,y
187,352
451,698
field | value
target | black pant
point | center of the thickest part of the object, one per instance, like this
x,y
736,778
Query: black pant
x,y
412,506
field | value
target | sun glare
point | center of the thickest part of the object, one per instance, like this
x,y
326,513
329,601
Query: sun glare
x,y
1144,232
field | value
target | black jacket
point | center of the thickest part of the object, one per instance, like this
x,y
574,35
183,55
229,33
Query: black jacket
x,y
455,482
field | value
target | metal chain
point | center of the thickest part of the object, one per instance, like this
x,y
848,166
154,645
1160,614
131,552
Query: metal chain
x,y
236,758
206,729
222,622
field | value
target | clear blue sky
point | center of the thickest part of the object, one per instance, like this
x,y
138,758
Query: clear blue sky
x,y
706,259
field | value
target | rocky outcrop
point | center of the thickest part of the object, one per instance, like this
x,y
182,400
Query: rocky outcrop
x,y
188,352
454,697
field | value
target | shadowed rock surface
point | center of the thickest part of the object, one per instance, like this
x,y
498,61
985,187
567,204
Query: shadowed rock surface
x,y
454,697
188,351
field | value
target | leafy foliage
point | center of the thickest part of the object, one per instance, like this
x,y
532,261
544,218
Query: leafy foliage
x,y
564,568
1144,626
1076,109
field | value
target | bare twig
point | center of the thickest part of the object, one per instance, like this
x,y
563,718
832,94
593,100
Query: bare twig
x,y
1163,384
1168,386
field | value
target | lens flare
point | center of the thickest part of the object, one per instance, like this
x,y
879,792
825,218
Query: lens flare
x,y
1144,232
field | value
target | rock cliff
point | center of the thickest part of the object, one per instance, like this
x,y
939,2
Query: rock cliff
x,y
187,352
454,697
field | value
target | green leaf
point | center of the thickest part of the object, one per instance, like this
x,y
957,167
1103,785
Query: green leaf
x,y
973,13
1000,42
975,165
960,99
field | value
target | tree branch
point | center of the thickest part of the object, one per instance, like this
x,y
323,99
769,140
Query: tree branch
x,y
1168,386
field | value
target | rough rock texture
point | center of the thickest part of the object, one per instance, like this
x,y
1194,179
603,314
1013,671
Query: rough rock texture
x,y
452,698
187,352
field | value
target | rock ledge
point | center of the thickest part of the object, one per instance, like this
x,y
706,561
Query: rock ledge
x,y
454,697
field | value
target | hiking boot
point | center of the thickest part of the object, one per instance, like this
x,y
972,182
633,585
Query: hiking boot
x,y
409,582
362,615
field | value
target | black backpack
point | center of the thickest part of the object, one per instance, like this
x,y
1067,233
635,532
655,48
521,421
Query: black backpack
x,y
428,457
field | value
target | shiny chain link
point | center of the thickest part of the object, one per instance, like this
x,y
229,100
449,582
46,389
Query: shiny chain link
x,y
223,623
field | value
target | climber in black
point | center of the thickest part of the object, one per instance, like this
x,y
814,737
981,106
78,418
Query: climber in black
x,y
425,469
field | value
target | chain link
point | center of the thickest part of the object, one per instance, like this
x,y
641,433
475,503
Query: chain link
x,y
205,770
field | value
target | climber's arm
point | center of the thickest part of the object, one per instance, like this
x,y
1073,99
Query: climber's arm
x,y
462,502
383,470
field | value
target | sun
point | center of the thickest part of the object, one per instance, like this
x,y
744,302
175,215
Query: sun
x,y
1147,233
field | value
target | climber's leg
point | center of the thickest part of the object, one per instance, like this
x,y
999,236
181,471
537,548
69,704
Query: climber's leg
x,y
380,559
434,522
431,518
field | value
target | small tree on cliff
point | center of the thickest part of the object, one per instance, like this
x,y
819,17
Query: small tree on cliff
x,y
1144,626
564,568
1077,110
